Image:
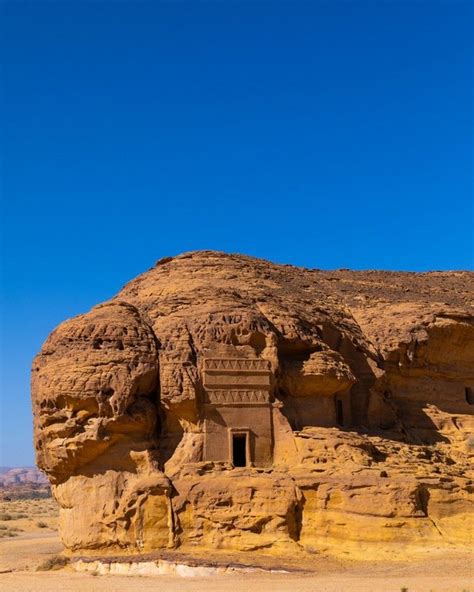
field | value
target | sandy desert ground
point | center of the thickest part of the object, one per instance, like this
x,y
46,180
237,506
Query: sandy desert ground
x,y
34,540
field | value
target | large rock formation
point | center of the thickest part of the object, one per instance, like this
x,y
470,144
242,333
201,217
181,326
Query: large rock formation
x,y
225,402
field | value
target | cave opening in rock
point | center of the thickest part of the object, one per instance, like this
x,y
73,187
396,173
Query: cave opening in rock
x,y
159,423
339,413
469,395
239,450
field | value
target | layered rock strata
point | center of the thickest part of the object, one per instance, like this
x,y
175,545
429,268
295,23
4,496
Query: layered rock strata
x,y
225,402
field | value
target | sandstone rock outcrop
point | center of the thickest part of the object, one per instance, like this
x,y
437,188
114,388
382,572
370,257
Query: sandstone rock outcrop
x,y
226,402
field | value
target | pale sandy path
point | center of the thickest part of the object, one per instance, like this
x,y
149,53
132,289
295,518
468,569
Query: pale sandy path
x,y
74,582
444,572
27,551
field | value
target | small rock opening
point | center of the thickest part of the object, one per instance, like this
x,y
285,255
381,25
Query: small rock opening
x,y
339,412
239,450
469,395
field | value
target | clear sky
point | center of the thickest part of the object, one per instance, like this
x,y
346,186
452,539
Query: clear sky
x,y
325,134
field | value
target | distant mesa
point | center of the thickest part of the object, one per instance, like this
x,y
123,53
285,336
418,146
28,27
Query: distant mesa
x,y
21,475
225,402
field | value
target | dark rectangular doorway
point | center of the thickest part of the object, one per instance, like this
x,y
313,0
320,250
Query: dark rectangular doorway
x,y
339,413
239,450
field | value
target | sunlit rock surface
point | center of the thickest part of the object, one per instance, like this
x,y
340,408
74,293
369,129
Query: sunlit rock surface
x,y
225,402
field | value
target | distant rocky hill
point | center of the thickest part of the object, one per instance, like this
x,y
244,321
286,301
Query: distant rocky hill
x,y
224,402
21,475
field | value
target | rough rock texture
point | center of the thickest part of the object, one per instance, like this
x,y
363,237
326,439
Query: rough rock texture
x,y
227,402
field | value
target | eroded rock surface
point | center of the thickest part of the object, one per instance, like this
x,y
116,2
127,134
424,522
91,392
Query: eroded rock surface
x,y
227,402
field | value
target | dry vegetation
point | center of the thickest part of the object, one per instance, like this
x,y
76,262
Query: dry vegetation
x,y
27,516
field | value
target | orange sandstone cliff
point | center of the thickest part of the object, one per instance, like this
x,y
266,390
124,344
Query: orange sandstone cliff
x,y
225,402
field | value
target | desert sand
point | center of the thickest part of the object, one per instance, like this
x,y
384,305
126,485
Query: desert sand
x,y
444,573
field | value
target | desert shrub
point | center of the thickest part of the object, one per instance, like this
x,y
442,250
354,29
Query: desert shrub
x,y
17,516
41,524
33,495
9,531
53,563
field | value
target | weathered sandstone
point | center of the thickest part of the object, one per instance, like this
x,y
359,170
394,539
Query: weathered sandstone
x,y
225,402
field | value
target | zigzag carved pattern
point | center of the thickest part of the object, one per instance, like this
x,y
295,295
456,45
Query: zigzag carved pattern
x,y
233,396
236,364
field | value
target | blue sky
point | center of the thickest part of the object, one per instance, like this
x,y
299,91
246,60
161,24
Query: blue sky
x,y
324,134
